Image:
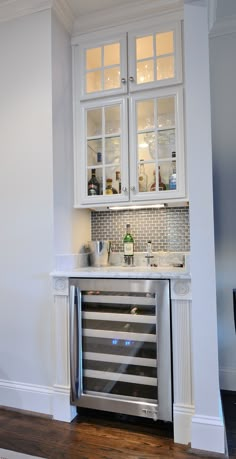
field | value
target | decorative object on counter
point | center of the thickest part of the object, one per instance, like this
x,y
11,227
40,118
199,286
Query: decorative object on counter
x,y
93,184
162,186
172,179
142,179
99,253
128,247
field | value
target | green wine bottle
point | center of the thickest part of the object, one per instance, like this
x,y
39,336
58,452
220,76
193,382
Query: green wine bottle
x,y
128,247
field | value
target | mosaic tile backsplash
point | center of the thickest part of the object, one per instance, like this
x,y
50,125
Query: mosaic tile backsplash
x,y
167,228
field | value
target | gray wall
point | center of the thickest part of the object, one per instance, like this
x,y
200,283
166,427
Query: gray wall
x,y
223,99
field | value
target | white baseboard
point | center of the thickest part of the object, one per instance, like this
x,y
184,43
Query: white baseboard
x,y
228,379
50,401
27,397
183,423
62,410
208,434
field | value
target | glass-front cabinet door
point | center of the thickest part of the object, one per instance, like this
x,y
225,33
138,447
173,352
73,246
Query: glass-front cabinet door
x,y
105,158
155,57
103,67
156,145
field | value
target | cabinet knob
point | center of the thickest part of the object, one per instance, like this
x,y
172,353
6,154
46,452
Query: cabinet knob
x,y
124,189
123,80
132,188
131,79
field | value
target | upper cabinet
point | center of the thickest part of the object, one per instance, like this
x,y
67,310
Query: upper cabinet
x,y
128,117
130,61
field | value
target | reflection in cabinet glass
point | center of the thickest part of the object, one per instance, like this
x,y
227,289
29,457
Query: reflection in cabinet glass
x,y
156,140
103,147
102,68
155,57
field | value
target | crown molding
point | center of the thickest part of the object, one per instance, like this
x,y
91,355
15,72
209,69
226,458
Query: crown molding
x,y
224,26
12,9
112,17
64,13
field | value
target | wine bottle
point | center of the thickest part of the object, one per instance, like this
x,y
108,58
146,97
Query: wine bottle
x,y
128,247
93,184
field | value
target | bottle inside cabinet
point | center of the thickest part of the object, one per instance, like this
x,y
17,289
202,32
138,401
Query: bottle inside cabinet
x,y
93,184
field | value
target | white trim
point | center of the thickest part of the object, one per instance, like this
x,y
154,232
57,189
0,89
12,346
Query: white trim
x,y
28,397
208,433
16,8
61,408
228,379
182,423
13,9
223,26
64,13
212,7
115,16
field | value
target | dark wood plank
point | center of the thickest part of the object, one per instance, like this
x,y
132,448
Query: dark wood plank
x,y
87,437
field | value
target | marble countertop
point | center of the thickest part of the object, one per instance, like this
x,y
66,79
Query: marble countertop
x,y
138,272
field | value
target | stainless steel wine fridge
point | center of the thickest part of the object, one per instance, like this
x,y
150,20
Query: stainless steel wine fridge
x,y
120,346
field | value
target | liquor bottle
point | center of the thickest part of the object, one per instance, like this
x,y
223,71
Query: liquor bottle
x,y
172,179
100,178
128,247
118,179
109,186
93,184
153,185
162,186
142,179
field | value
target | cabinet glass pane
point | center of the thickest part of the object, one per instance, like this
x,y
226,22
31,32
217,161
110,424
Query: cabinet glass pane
x,y
146,146
112,78
166,112
165,67
94,81
166,143
93,58
112,54
155,57
144,47
167,168
145,71
112,150
164,43
112,120
146,176
94,148
112,185
94,122
145,114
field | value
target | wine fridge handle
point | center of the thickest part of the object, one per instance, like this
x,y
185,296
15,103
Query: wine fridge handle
x,y
75,343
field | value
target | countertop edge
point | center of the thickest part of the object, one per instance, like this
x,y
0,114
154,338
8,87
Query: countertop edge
x,y
121,273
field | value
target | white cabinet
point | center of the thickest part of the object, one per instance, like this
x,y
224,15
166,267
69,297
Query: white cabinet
x,y
128,118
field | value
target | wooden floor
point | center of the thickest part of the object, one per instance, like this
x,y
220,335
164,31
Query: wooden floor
x,y
104,437
229,406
